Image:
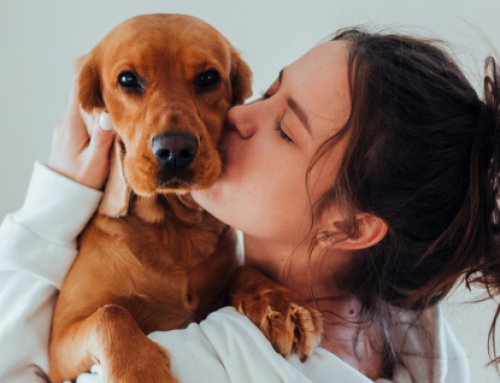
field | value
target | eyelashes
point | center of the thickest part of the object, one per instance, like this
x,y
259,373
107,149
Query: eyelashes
x,y
283,135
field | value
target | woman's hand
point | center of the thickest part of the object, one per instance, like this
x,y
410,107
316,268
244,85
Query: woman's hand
x,y
77,156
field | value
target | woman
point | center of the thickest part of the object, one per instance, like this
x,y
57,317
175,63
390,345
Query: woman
x,y
364,179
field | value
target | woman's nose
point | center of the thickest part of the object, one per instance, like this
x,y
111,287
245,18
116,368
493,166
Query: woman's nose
x,y
241,119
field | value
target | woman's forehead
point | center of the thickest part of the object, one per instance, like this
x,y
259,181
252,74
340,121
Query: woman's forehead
x,y
318,81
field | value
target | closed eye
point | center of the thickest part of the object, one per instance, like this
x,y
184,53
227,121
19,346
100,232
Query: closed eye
x,y
284,136
282,133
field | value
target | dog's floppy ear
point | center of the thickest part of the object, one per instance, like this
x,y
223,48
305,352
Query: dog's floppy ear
x,y
89,83
241,79
117,192
116,199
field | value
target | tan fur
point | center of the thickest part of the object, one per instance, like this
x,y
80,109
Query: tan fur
x,y
290,325
154,261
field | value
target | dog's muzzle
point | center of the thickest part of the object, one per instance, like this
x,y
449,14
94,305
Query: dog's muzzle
x,y
175,151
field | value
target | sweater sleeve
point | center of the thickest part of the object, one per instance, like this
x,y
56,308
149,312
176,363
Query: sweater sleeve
x,y
37,248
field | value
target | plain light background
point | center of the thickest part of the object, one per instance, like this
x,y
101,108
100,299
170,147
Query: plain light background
x,y
39,41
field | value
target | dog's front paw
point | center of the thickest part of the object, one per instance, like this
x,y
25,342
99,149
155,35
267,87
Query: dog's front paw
x,y
150,363
289,324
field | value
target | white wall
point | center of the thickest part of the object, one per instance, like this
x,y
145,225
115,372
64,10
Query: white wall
x,y
39,41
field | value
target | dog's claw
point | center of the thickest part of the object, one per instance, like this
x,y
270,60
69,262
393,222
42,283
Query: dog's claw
x,y
290,325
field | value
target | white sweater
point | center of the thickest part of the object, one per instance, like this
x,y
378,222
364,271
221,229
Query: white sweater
x,y
38,246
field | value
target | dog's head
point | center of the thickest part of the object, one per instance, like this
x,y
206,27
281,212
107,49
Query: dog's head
x,y
167,82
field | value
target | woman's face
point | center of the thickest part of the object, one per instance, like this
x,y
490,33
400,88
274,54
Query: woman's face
x,y
262,189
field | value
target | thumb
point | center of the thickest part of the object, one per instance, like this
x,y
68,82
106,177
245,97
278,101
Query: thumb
x,y
76,128
102,137
96,158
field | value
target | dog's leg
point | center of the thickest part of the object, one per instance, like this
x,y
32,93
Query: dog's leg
x,y
112,338
289,324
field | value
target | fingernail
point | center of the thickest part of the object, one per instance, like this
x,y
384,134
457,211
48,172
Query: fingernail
x,y
105,122
96,369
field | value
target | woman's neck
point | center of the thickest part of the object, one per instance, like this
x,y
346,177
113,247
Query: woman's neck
x,y
304,273
296,267
265,256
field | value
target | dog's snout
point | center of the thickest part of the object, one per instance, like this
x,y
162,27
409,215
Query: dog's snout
x,y
175,150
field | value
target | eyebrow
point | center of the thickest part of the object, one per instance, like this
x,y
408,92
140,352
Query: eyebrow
x,y
299,112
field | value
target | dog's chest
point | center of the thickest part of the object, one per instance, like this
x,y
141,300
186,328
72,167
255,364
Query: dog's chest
x,y
171,273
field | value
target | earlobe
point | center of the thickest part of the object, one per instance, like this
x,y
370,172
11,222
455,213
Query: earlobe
x,y
371,230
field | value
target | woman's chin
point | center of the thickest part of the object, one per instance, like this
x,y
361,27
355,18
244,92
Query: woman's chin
x,y
207,198
200,197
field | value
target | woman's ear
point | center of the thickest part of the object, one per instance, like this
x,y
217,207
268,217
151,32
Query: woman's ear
x,y
371,230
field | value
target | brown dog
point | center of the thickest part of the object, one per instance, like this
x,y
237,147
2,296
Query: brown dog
x,y
152,259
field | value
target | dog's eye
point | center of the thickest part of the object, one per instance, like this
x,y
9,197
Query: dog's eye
x,y
128,80
208,78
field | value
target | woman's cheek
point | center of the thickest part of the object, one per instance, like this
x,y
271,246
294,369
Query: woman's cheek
x,y
262,188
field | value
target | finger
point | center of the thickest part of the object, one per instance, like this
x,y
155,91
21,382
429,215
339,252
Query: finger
x,y
101,139
89,378
73,118
96,369
95,376
105,121
73,108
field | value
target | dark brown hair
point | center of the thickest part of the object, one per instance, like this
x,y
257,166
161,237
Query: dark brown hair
x,y
423,154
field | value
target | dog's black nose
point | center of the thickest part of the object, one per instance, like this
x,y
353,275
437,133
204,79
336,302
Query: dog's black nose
x,y
175,150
